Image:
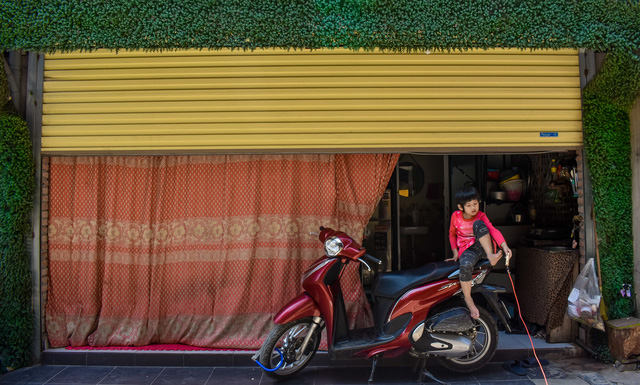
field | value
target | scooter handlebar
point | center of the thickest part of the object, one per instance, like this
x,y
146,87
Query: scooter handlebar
x,y
368,260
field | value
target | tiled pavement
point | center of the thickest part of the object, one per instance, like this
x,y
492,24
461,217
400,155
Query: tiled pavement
x,y
579,371
567,367
492,374
510,346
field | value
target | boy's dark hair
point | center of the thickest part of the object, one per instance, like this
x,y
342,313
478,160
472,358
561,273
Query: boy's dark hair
x,y
466,194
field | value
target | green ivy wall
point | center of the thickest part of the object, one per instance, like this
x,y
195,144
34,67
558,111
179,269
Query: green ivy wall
x,y
16,189
607,101
68,25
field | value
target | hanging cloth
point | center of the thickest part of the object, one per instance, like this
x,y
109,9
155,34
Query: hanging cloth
x,y
197,250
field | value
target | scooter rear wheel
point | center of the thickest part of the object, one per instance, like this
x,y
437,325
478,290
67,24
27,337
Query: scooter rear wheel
x,y
482,350
288,338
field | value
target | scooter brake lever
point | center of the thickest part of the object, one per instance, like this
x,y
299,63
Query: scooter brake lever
x,y
314,234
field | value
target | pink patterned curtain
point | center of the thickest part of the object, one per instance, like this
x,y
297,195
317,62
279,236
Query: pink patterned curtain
x,y
198,250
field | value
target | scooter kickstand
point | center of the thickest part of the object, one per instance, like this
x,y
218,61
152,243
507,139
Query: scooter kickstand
x,y
373,368
425,373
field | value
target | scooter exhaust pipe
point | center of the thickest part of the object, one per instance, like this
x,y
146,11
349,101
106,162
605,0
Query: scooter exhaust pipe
x,y
440,344
448,345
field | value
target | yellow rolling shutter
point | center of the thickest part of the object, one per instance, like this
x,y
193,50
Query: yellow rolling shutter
x,y
310,101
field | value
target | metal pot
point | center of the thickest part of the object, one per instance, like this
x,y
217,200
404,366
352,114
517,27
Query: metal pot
x,y
498,195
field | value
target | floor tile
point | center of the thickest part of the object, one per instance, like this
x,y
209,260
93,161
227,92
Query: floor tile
x,y
495,372
524,341
508,355
429,381
243,359
158,359
184,376
133,375
411,377
593,378
550,371
449,377
199,359
509,342
111,358
31,375
538,343
81,375
342,375
235,376
65,358
395,375
305,377
576,381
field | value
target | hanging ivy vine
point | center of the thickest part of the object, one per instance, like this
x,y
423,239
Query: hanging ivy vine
x,y
607,101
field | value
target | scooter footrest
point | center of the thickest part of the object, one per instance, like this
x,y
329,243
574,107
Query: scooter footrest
x,y
346,349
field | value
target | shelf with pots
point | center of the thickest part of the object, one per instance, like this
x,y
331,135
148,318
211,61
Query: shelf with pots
x,y
505,199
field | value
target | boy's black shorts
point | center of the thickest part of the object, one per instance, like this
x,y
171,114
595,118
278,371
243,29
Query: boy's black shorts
x,y
474,253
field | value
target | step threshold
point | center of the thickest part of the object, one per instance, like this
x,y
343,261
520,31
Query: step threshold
x,y
242,358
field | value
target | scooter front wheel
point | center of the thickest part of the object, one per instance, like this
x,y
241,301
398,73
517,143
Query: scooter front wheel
x,y
289,338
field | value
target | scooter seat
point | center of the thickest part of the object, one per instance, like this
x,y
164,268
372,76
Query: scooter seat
x,y
395,283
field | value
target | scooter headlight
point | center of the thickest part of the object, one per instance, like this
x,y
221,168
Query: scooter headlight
x,y
332,246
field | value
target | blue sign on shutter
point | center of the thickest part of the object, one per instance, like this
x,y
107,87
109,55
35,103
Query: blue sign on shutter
x,y
548,134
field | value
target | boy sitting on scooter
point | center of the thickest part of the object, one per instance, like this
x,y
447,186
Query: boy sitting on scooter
x,y
470,236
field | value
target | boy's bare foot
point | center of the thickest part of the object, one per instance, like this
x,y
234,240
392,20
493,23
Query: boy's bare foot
x,y
494,258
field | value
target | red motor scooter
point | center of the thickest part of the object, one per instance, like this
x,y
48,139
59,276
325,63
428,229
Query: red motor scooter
x,y
419,311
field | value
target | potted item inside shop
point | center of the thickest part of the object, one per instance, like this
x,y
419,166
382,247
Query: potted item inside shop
x,y
493,174
513,189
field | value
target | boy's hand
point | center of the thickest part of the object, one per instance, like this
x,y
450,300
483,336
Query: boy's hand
x,y
507,253
454,258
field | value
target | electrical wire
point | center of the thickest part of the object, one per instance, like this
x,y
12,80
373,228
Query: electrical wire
x,y
525,325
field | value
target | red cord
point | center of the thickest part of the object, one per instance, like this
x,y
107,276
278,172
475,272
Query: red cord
x,y
525,326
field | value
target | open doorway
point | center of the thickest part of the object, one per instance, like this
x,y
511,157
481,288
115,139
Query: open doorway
x,y
408,227
421,204
532,199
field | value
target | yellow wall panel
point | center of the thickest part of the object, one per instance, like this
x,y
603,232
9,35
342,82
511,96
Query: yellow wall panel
x,y
341,93
326,100
309,60
303,83
264,128
307,71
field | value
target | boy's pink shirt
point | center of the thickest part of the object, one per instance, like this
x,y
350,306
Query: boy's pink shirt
x,y
461,231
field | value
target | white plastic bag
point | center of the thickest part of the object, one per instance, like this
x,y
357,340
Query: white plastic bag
x,y
584,300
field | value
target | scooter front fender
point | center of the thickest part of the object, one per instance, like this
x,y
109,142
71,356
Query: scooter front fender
x,y
300,307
